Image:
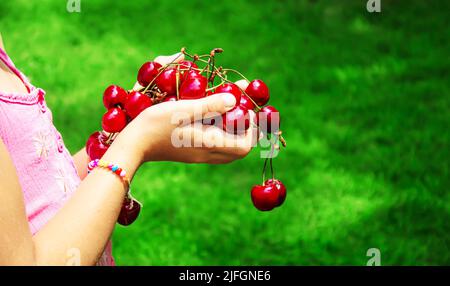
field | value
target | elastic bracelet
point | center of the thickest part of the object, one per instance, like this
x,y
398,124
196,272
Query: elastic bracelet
x,y
130,206
112,167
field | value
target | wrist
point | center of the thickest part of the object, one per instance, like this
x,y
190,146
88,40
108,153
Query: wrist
x,y
124,152
142,137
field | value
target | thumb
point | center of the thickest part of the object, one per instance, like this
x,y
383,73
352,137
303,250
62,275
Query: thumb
x,y
164,60
206,107
242,84
218,103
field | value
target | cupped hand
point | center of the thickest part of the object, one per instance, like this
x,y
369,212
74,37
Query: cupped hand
x,y
173,131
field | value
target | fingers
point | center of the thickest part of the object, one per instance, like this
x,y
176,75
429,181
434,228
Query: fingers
x,y
240,145
211,144
207,107
164,60
218,103
242,83
235,146
215,139
137,86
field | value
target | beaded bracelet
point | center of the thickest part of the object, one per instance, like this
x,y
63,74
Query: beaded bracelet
x,y
112,167
130,207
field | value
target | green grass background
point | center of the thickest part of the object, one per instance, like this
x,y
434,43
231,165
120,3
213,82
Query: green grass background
x,y
365,109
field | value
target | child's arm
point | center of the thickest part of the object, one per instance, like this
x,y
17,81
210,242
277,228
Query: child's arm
x,y
88,219
81,159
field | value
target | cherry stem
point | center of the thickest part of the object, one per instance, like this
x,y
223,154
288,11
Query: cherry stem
x,y
243,91
237,72
213,63
161,71
110,138
221,74
271,169
203,61
183,51
272,149
206,68
215,86
283,141
281,138
264,171
178,82
197,57
212,77
270,157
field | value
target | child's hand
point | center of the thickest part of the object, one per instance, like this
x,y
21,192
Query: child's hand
x,y
155,133
158,128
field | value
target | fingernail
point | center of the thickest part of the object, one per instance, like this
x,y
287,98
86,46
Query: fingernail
x,y
229,100
175,56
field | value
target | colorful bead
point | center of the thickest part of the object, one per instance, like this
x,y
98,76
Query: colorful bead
x,y
112,167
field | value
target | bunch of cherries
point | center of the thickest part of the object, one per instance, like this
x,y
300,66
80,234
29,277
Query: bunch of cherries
x,y
185,80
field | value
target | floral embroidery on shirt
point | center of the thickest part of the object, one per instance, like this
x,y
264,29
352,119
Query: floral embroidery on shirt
x,y
42,144
62,179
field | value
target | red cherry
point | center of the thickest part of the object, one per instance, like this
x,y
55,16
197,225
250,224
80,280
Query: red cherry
x,y
268,119
246,102
190,75
103,138
114,95
230,88
129,212
278,185
237,120
193,74
147,72
170,98
193,87
264,198
258,91
114,120
136,103
188,64
97,150
94,147
167,81
92,138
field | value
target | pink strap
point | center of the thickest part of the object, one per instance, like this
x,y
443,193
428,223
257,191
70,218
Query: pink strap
x,y
8,62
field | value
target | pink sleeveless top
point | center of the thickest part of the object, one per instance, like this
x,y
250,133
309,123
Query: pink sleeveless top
x,y
45,168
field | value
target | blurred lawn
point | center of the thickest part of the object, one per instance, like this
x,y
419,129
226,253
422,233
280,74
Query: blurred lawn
x,y
365,106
